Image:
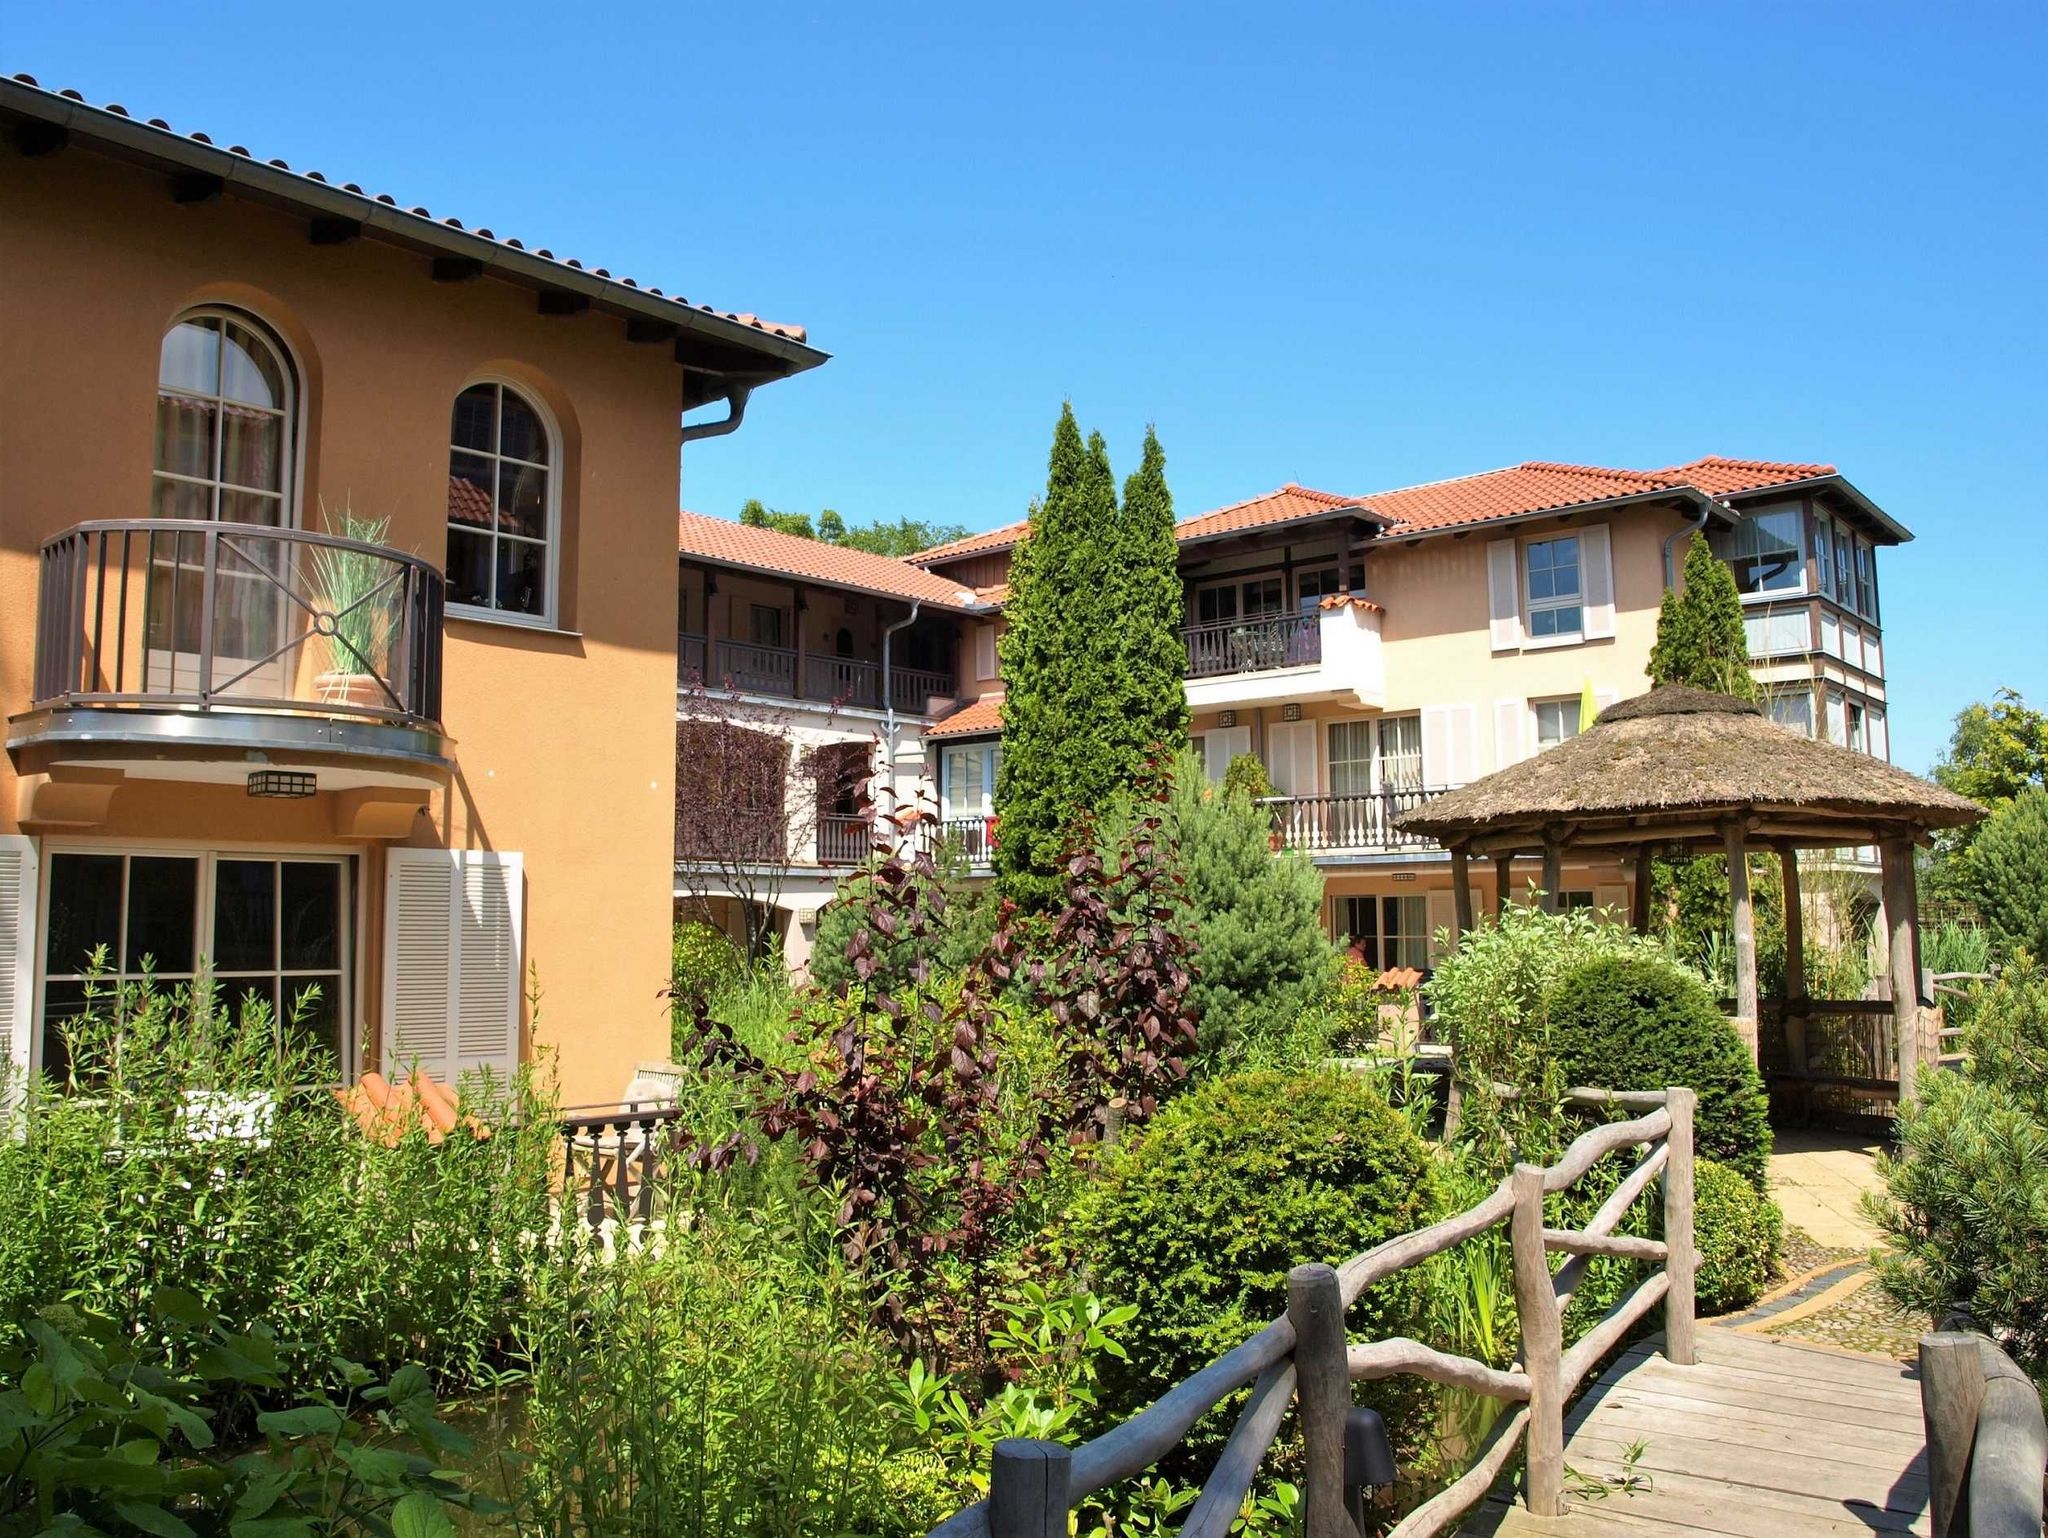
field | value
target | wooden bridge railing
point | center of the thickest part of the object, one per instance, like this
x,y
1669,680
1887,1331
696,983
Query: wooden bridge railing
x,y
1303,1357
1987,1444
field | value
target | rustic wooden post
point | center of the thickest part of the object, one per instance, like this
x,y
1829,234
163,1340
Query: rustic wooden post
x,y
1901,923
1745,932
1503,882
2005,1495
1028,1486
1322,1389
1681,1248
1461,890
1794,1023
1553,875
1542,1346
1639,892
1951,1390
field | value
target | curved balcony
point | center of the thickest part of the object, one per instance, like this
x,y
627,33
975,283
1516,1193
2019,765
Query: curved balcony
x,y
194,639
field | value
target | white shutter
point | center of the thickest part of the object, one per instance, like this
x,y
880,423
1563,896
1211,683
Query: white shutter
x,y
1292,745
1462,767
1503,595
1508,719
452,954
17,947
1602,699
985,651
1596,564
1220,744
1443,915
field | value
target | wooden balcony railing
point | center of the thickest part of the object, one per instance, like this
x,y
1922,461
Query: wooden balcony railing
x,y
148,612
773,670
1350,822
1253,645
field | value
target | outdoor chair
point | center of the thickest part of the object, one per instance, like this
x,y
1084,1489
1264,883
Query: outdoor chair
x,y
620,1148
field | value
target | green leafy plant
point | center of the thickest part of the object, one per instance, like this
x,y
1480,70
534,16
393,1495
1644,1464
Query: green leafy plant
x,y
359,588
1199,1221
1245,776
1965,1210
1738,1233
97,1437
1642,1022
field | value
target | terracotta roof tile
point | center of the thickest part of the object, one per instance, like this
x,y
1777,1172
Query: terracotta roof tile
x,y
1719,477
975,544
752,322
789,555
977,718
1282,506
1532,487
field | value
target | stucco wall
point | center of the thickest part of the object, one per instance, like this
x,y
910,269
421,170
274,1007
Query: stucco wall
x,y
564,740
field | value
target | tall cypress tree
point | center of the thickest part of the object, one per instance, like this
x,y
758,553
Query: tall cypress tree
x,y
1152,660
1700,636
1090,656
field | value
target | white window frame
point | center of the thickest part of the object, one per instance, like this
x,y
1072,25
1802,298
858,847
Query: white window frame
x,y
1750,519
291,453
1419,941
1791,692
551,565
1532,606
349,1023
1536,709
1824,554
991,755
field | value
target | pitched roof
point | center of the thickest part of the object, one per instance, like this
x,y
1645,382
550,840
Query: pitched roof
x,y
1283,506
726,543
1535,486
1719,477
975,544
783,349
977,718
1677,757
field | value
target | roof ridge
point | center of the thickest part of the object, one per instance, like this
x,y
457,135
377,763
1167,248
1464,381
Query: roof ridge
x,y
1285,488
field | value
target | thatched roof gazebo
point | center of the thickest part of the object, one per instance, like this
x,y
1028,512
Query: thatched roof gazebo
x,y
1680,771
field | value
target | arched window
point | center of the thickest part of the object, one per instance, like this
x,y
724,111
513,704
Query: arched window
x,y
226,437
225,421
501,505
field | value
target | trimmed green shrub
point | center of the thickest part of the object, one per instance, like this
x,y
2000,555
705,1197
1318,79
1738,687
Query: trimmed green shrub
x,y
1246,776
2006,872
1639,1022
1738,1233
1233,1184
1966,1210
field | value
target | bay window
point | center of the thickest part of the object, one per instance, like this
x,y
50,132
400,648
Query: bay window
x,y
1765,551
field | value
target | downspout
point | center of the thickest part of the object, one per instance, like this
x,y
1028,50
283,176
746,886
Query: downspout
x,y
1698,523
735,413
889,699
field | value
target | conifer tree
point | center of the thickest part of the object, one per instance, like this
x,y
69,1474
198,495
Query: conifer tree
x,y
1700,636
1090,658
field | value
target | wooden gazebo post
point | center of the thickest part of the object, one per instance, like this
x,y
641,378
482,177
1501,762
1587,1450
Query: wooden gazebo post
x,y
1733,839
1902,924
1503,883
1461,890
1639,892
1795,959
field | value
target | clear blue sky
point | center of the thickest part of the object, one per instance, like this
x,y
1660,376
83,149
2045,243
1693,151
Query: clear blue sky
x,y
1356,246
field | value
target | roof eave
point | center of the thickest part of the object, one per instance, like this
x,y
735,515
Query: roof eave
x,y
1840,485
166,149
1690,494
1359,512
799,579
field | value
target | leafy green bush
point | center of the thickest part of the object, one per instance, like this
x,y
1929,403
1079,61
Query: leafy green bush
x,y
188,1154
96,1437
702,961
2006,872
959,931
1260,955
1965,1212
1198,1222
1246,776
710,1386
1641,1022
1738,1233
1488,998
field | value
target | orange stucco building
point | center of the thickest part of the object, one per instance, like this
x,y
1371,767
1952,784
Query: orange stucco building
x,y
337,606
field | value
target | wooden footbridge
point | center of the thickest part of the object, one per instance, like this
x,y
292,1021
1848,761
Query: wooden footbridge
x,y
1691,1433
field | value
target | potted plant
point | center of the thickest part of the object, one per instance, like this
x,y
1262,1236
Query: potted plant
x,y
355,598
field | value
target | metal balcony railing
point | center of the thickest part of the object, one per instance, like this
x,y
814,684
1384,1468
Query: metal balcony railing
x,y
830,680
1364,822
1256,645
139,613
